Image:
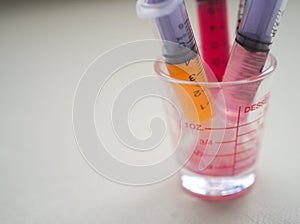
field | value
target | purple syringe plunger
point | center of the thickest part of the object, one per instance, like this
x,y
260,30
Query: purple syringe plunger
x,y
261,21
173,25
155,1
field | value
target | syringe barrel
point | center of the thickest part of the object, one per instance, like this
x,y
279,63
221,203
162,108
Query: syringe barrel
x,y
173,24
261,20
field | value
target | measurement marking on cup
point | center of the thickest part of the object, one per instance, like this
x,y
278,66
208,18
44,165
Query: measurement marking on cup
x,y
227,128
238,148
245,150
246,158
224,155
249,132
234,127
251,122
230,141
223,167
236,140
249,140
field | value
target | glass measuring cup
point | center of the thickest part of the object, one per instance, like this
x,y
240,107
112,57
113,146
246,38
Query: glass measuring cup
x,y
222,162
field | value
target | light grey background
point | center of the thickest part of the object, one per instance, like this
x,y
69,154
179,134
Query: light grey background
x,y
45,47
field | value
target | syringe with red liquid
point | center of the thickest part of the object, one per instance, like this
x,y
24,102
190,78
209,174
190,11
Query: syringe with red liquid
x,y
213,30
250,51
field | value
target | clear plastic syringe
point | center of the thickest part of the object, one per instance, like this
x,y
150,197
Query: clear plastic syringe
x,y
179,50
250,50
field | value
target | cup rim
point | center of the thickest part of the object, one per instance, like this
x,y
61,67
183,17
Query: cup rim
x,y
266,73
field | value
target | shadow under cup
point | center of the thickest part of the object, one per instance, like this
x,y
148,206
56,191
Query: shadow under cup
x,y
222,148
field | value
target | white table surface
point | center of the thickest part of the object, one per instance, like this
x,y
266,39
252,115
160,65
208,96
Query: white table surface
x,y
45,48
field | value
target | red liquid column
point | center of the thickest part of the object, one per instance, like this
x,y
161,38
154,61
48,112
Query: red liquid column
x,y
213,28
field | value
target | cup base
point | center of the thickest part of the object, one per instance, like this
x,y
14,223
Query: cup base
x,y
217,188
